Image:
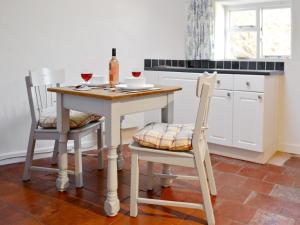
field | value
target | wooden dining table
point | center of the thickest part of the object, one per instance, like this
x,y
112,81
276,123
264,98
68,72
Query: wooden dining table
x,y
112,105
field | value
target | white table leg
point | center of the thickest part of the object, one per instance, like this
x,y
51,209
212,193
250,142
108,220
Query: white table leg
x,y
62,181
120,160
112,127
167,116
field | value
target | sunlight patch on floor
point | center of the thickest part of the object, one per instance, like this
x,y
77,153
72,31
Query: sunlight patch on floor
x,y
279,158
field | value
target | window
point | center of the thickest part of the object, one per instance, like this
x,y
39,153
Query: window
x,y
258,31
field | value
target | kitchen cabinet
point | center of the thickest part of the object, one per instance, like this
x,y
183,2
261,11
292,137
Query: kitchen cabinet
x,y
220,118
248,120
185,104
243,112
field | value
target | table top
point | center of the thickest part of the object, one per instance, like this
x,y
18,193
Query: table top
x,y
102,93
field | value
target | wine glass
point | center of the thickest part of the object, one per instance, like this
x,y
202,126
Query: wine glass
x,y
136,72
86,76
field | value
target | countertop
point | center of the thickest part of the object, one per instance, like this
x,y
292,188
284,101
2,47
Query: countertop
x,y
211,70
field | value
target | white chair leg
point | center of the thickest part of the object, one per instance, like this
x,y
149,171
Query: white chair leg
x,y
166,182
78,164
29,155
55,154
150,176
134,186
100,146
210,174
205,193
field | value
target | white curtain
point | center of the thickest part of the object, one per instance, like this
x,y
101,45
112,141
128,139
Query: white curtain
x,y
200,29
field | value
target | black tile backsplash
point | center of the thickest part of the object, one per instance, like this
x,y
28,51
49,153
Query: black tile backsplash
x,y
198,64
227,65
205,63
190,64
147,63
270,66
279,66
220,64
261,65
244,65
181,63
168,62
154,62
174,63
162,62
252,65
235,65
210,64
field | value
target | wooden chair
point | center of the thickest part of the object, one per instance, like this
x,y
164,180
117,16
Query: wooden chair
x,y
197,158
40,101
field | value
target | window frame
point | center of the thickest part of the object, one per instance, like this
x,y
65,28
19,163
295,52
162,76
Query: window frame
x,y
258,7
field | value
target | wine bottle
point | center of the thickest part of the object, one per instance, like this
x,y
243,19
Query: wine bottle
x,y
113,69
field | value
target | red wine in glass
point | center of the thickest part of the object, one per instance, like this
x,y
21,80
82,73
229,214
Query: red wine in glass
x,y
136,73
86,76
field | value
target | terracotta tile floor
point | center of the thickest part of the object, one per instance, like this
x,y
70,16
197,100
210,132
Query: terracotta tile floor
x,y
248,193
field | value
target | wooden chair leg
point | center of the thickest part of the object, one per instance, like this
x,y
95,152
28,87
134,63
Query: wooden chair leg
x,y
100,146
29,155
210,174
205,193
55,154
78,164
134,186
150,176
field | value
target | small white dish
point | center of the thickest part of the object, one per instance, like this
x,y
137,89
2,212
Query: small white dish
x,y
135,82
140,87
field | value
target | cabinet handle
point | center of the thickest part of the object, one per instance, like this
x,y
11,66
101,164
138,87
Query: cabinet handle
x,y
228,94
218,82
248,83
259,97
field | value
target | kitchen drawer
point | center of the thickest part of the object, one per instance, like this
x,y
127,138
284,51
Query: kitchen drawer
x,y
249,83
224,82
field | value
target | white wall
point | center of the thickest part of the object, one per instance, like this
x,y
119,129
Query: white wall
x,y
289,137
76,34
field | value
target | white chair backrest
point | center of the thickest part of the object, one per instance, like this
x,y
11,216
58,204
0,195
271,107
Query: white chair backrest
x,y
205,88
45,77
37,83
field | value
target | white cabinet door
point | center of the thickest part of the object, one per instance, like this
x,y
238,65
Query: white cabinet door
x,y
185,101
220,118
248,120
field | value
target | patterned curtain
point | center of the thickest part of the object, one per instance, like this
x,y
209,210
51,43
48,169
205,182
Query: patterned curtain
x,y
200,29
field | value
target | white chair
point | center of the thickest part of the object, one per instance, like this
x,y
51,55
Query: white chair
x,y
197,158
41,101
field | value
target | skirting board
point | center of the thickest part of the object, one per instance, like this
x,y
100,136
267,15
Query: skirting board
x,y
39,153
290,148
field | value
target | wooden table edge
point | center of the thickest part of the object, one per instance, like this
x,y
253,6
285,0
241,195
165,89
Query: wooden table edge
x,y
65,90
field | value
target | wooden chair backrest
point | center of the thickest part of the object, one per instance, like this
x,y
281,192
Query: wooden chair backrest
x,y
37,83
204,90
